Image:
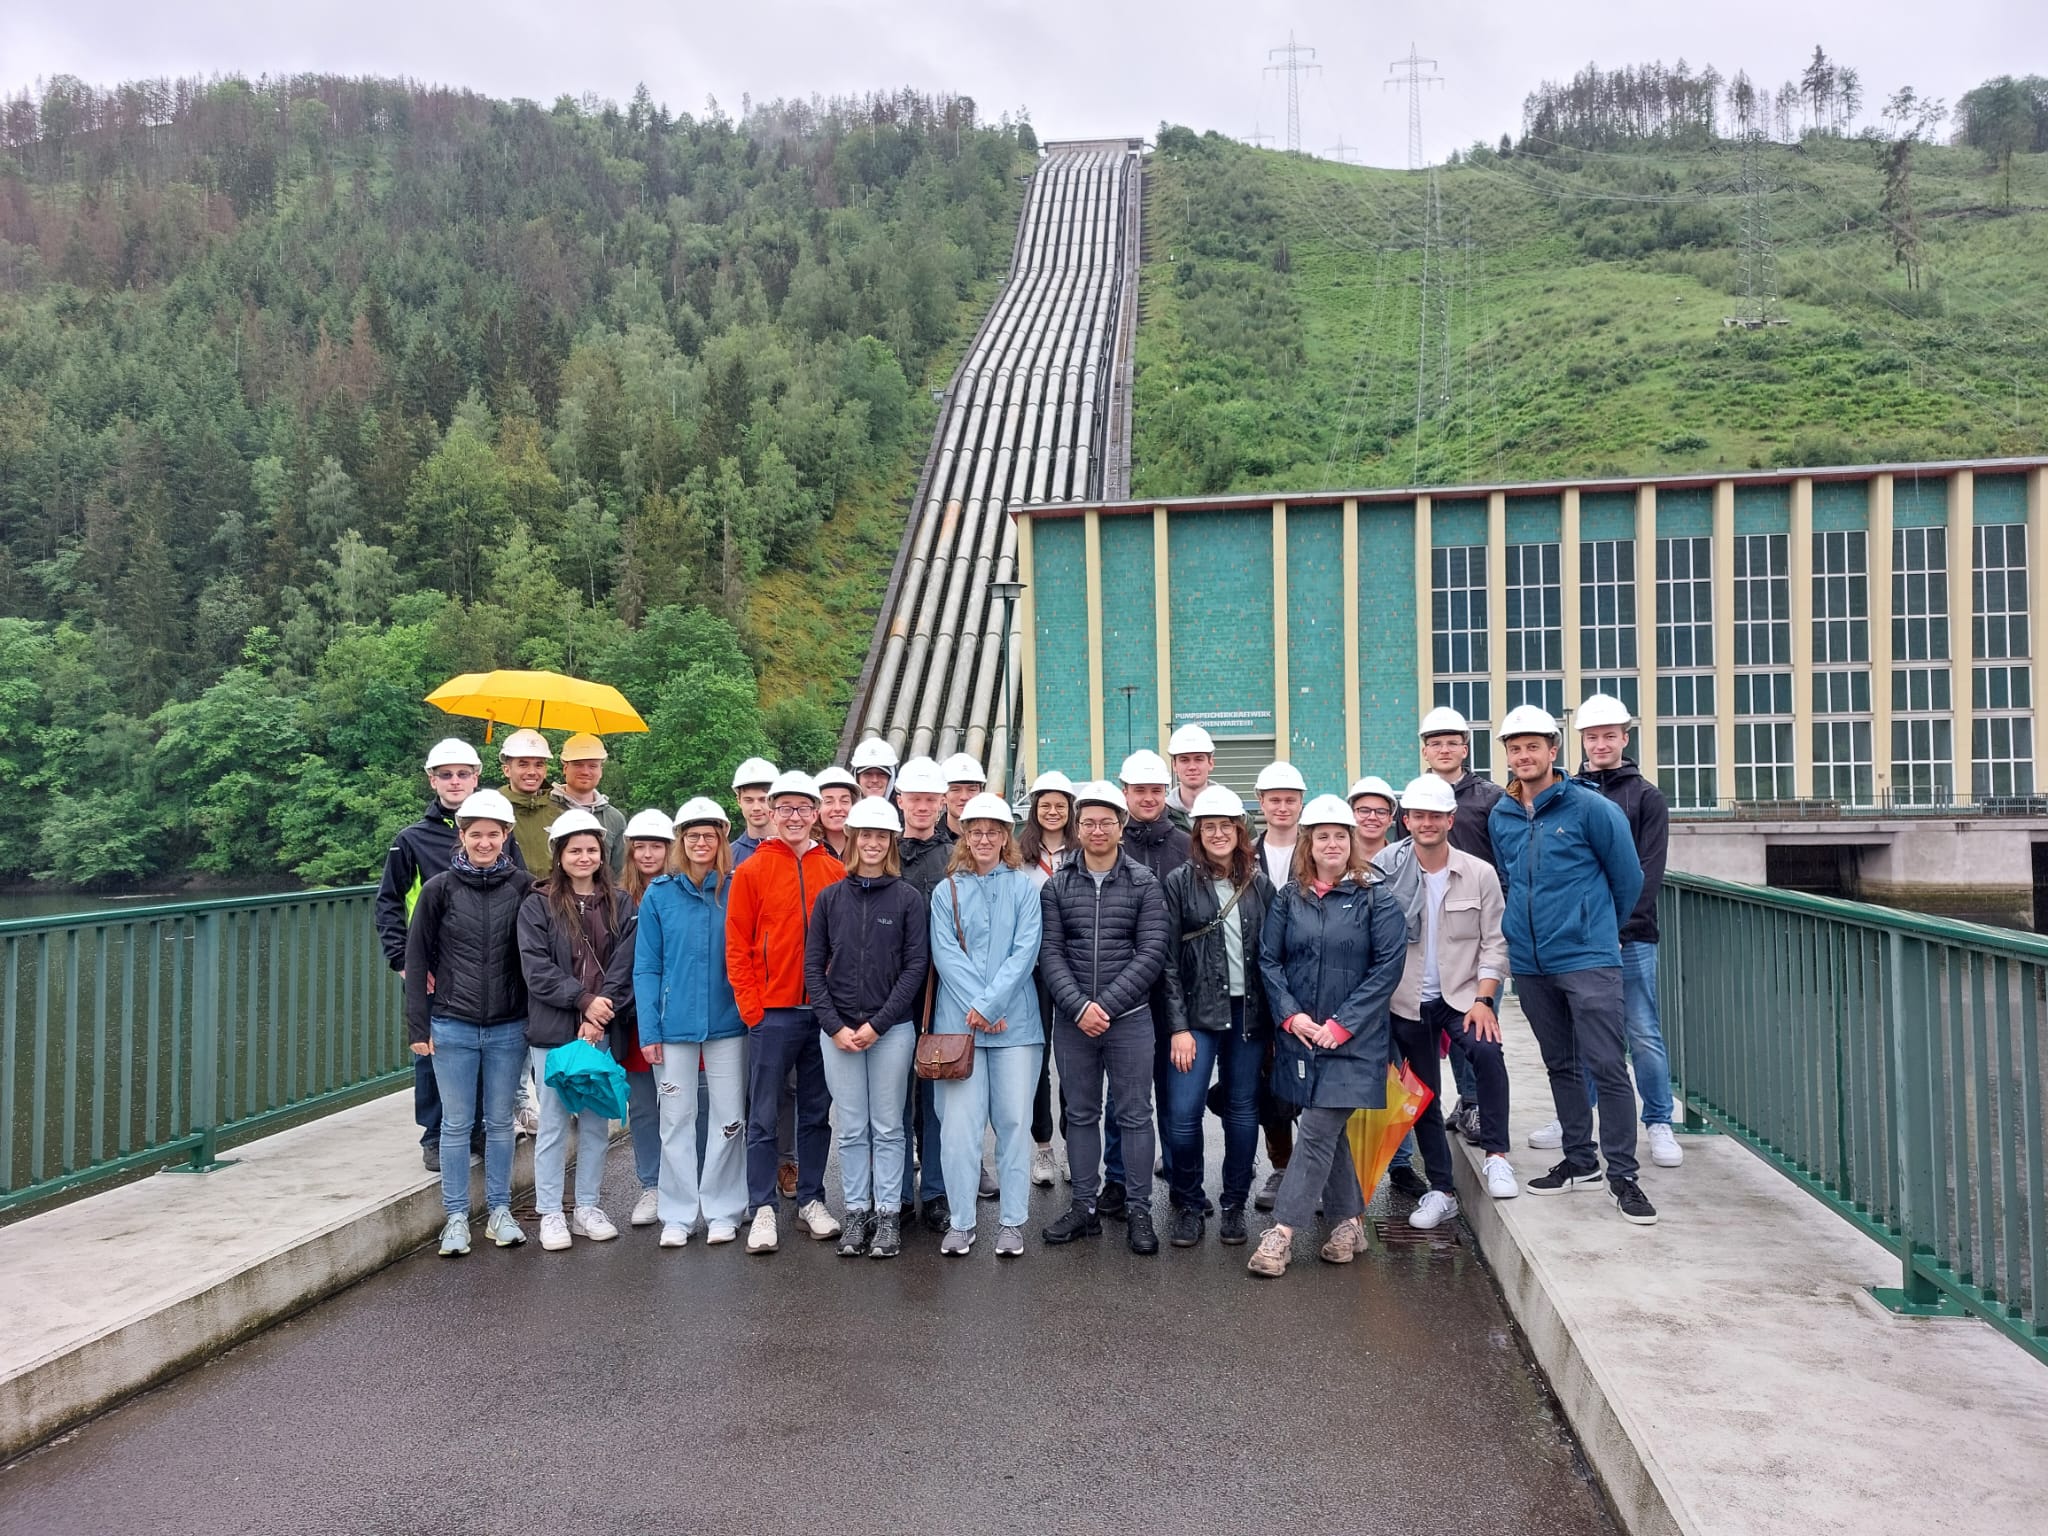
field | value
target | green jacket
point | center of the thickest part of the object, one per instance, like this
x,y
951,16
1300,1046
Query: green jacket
x,y
532,816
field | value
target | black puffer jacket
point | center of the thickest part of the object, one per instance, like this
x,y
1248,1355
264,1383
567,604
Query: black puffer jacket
x,y
555,999
1648,815
465,934
1159,845
420,851
867,953
1102,944
1197,969
1476,797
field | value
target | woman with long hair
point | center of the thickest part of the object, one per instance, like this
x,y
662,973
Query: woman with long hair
x,y
1331,952
1217,1018
650,842
1046,843
985,928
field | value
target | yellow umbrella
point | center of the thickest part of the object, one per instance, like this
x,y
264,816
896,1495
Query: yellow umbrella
x,y
538,700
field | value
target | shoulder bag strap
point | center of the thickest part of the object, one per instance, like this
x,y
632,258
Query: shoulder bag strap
x,y
1230,906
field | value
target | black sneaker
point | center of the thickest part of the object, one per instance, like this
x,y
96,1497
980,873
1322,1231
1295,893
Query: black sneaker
x,y
1562,1179
1138,1230
938,1215
1187,1227
430,1158
1231,1228
1407,1181
888,1239
1112,1202
1468,1124
1078,1221
1629,1199
856,1234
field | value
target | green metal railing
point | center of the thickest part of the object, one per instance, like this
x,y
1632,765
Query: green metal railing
x,y
1890,1063
133,1039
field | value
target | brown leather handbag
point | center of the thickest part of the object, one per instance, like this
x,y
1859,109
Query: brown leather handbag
x,y
944,1058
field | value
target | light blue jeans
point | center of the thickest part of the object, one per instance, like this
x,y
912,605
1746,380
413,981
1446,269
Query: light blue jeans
x,y
998,1092
459,1049
868,1097
645,1119
1645,1034
703,1145
551,1146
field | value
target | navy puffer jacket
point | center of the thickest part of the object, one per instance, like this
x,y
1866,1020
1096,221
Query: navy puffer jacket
x,y
1336,956
867,953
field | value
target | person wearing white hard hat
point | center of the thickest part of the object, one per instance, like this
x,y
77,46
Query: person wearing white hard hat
x,y
1217,1024
465,1010
1161,844
1373,809
1046,844
750,785
926,845
420,851
985,929
767,919
1603,723
1565,908
1105,946
837,790
524,756
965,778
1193,755
690,1029
874,766
866,958
1450,988
650,844
1280,789
1446,746
583,758
1331,955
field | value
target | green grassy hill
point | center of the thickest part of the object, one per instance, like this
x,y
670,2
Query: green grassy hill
x,y
1583,297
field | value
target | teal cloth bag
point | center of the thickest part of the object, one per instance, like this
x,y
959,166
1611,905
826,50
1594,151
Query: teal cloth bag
x,y
587,1078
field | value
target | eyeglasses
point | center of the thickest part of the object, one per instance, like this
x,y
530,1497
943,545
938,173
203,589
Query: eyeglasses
x,y
1097,824
987,834
453,773
1375,813
793,811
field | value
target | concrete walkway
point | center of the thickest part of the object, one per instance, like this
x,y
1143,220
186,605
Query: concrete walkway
x,y
1727,1373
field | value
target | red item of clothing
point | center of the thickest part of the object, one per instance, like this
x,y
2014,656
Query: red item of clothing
x,y
767,916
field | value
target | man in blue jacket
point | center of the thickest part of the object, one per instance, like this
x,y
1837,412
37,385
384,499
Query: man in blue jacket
x,y
1569,869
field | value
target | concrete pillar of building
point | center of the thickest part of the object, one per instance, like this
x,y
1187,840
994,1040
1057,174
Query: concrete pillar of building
x,y
1162,625
1283,729
1497,604
1962,511
1724,639
1425,612
2037,596
1568,591
1091,544
1352,754
1799,566
1878,510
1646,628
1026,745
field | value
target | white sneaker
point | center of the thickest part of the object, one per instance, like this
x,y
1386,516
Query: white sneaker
x,y
592,1223
675,1235
761,1236
554,1231
1043,1171
1434,1208
1665,1151
1548,1137
818,1220
1501,1182
647,1209
722,1232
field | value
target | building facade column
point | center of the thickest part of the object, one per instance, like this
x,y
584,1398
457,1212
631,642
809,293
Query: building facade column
x,y
1724,639
1352,753
1646,630
1799,564
1568,570
1497,609
1091,543
1425,612
1962,604
1162,625
1878,563
1283,732
1025,747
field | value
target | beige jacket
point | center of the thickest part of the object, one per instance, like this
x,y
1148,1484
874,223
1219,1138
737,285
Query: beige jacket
x,y
1470,946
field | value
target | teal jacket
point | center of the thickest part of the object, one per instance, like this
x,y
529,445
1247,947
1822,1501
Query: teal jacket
x,y
679,982
999,916
1569,870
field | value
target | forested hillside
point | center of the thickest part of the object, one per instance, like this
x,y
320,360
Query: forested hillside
x,y
315,392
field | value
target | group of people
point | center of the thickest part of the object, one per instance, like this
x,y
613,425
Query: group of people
x,y
776,993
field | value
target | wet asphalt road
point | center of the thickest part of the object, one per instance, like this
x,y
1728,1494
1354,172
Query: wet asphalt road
x,y
622,1388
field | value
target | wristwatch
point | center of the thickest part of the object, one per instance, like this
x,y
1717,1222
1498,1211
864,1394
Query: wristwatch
x,y
1481,997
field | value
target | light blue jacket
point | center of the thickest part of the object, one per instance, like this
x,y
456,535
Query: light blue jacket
x,y
679,982
999,915
1569,870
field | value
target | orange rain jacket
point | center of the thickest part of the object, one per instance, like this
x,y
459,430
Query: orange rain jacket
x,y
767,915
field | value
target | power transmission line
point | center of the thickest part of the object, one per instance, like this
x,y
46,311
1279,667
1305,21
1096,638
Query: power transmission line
x,y
1293,68
1345,153
1416,81
1256,139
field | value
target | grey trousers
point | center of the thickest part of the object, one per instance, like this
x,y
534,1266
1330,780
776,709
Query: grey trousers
x,y
1321,1169
1123,1054
1578,1020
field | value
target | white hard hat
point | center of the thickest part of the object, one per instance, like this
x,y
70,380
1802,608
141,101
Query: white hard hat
x,y
1444,721
837,776
703,809
875,752
987,807
1052,779
1215,800
1280,776
1327,811
920,776
790,782
1189,738
1372,784
1527,720
755,770
1601,709
486,805
652,826
1101,792
962,769
569,823
453,752
874,814
1429,793
526,744
1144,766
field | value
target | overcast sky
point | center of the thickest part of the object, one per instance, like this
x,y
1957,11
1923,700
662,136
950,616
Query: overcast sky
x,y
1082,67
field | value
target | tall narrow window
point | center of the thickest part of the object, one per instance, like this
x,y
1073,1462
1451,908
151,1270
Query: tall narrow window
x,y
1459,658
1842,768
1763,660
1923,724
2001,679
1535,627
1686,749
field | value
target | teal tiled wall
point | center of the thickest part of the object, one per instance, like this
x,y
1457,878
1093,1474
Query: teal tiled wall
x,y
1059,597
1315,645
1130,650
1388,710
1220,571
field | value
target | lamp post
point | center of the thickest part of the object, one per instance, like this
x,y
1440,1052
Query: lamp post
x,y
1129,691
1006,593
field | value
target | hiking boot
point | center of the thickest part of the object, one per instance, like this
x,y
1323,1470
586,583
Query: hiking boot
x,y
502,1229
888,1238
938,1215
785,1180
1562,1179
430,1158
1230,1227
1665,1151
1436,1209
455,1237
1634,1205
860,1230
1268,1193
1271,1256
1187,1227
1112,1202
1138,1230
1347,1241
1407,1181
1077,1221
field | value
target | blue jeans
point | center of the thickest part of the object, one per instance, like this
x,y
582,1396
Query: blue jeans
x,y
998,1091
468,1057
868,1097
551,1146
1187,1093
643,1116
1645,1034
786,1037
